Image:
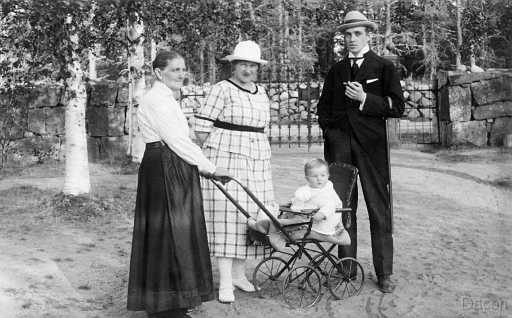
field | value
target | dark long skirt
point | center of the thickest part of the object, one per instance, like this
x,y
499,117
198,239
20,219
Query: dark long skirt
x,y
170,264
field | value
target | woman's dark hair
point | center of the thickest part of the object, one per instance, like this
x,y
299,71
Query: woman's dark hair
x,y
163,57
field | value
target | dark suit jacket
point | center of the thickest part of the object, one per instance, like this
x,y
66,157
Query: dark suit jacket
x,y
381,83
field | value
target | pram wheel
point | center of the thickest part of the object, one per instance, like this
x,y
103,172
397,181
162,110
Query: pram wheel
x,y
302,287
269,275
346,278
323,264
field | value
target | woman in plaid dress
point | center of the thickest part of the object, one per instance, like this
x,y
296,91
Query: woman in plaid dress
x,y
231,123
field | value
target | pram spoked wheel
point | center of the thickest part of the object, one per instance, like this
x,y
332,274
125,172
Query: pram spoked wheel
x,y
346,278
302,287
323,264
268,276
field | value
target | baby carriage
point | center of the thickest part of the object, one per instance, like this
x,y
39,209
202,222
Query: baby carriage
x,y
307,266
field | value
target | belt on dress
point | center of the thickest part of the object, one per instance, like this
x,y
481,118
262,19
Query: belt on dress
x,y
230,126
155,144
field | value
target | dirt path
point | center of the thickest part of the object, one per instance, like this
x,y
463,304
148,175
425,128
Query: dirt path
x,y
453,247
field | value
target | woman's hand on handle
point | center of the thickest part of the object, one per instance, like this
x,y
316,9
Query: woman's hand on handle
x,y
220,174
201,137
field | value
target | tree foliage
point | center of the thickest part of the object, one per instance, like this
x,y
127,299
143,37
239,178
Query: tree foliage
x,y
295,33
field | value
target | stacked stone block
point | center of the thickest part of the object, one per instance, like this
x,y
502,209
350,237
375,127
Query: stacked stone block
x,y
476,108
106,117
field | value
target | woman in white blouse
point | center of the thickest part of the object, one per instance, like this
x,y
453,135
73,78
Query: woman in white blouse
x,y
232,124
170,269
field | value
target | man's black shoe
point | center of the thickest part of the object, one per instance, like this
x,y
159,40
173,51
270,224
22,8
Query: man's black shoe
x,y
385,284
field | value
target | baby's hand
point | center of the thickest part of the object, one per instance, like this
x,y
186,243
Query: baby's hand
x,y
297,205
303,194
339,229
317,217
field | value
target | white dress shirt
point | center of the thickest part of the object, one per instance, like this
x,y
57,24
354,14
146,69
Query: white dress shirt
x,y
160,118
359,62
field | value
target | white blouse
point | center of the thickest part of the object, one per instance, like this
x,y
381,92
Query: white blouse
x,y
160,118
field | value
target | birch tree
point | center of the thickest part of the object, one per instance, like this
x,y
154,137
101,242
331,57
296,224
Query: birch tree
x,y
136,82
458,12
62,36
77,165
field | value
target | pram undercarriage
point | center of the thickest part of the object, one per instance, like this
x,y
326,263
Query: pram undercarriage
x,y
302,271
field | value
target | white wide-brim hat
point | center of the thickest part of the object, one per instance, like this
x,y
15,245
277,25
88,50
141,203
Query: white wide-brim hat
x,y
356,19
246,51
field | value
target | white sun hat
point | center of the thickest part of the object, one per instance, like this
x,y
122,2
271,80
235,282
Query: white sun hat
x,y
246,51
356,19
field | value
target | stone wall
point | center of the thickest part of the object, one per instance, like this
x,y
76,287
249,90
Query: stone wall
x,y
289,101
475,108
40,123
107,122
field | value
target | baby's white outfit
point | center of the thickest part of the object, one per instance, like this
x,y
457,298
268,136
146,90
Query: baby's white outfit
x,y
326,199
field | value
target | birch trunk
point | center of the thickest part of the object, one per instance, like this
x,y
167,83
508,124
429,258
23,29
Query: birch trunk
x,y
153,50
388,43
92,52
458,58
280,11
212,67
92,64
299,44
238,13
76,180
286,35
136,56
201,62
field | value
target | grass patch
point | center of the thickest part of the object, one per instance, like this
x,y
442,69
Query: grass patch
x,y
129,167
40,205
93,207
49,169
81,208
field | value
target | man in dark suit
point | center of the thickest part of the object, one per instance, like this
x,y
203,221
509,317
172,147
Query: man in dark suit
x,y
359,93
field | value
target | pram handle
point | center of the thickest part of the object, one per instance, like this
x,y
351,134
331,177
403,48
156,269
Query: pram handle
x,y
250,194
218,184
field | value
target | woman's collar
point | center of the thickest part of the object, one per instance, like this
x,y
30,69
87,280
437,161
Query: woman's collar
x,y
164,89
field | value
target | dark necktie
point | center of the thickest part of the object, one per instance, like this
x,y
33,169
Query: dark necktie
x,y
354,68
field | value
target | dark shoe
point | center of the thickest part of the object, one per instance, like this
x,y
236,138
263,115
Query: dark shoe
x,y
174,313
385,284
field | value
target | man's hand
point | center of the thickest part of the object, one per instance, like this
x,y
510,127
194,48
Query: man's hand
x,y
354,90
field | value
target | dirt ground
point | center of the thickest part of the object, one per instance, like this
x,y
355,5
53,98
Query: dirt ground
x,y
453,246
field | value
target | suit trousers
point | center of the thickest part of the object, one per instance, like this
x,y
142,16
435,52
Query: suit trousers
x,y
342,146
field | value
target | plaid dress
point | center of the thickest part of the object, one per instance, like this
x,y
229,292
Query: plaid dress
x,y
246,155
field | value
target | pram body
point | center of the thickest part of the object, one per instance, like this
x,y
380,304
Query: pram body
x,y
307,265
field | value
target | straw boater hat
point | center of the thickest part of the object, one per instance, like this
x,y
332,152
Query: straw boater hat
x,y
356,19
246,51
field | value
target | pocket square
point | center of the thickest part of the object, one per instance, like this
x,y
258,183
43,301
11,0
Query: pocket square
x,y
368,81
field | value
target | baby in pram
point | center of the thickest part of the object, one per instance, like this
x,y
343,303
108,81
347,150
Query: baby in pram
x,y
318,194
